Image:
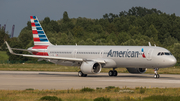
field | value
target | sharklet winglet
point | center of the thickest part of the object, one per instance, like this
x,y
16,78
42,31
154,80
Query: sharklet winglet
x,y
9,48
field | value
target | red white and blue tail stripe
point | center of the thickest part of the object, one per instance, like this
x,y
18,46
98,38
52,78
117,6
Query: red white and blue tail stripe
x,y
39,36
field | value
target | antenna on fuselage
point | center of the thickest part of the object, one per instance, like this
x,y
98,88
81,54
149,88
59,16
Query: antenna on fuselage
x,y
76,44
149,43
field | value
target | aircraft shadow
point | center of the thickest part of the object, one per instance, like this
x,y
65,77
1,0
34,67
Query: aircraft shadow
x,y
64,75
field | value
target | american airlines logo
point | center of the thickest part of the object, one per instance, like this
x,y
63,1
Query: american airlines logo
x,y
129,54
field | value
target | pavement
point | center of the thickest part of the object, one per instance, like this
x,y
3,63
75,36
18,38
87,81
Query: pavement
x,y
21,80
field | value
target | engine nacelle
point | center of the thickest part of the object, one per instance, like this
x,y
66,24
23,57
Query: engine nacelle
x,y
90,67
136,70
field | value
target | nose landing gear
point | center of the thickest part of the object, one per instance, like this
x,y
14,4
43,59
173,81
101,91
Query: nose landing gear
x,y
156,75
113,72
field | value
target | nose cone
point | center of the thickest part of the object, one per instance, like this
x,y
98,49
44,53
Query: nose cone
x,y
172,61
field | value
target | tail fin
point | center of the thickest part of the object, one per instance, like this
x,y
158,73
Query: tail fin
x,y
39,36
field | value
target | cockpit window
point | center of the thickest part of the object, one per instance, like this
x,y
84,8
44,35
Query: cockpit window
x,y
164,53
167,53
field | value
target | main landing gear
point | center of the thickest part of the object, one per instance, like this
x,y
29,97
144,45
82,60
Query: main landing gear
x,y
156,75
81,74
113,72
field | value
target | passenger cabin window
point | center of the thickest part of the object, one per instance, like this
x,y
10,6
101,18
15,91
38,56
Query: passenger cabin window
x,y
164,53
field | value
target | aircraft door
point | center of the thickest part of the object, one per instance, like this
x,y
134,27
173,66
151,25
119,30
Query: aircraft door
x,y
149,54
74,53
101,53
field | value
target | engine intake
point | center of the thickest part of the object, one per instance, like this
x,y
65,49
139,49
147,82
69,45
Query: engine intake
x,y
90,67
136,70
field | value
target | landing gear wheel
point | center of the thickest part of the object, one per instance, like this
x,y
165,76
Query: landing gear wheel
x,y
115,73
81,74
156,75
111,73
84,75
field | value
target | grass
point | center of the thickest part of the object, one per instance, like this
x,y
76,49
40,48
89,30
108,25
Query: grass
x,y
50,98
150,94
58,68
162,98
3,56
86,89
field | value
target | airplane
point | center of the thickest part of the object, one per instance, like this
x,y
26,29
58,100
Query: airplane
x,y
91,59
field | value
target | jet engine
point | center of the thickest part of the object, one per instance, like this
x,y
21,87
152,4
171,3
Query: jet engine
x,y
136,70
90,67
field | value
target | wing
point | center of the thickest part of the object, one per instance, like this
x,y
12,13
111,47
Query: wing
x,y
52,57
24,50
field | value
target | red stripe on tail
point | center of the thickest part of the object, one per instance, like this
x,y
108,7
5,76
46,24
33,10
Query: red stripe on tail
x,y
40,47
33,24
34,32
36,39
31,17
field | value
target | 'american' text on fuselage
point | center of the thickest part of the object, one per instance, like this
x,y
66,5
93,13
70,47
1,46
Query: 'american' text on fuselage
x,y
133,54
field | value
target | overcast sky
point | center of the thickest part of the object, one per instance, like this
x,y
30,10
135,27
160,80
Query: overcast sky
x,y
18,11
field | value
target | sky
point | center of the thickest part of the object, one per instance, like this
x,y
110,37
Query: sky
x,y
18,12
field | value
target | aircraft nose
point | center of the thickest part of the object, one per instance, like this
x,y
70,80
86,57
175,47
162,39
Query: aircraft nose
x,y
172,61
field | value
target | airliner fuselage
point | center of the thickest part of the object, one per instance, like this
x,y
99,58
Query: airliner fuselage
x,y
123,56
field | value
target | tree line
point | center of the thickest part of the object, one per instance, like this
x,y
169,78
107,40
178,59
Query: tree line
x,y
137,26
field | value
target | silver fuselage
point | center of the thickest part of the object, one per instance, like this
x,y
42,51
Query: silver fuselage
x,y
122,56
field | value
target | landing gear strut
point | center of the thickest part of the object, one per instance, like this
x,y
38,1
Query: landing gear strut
x,y
113,72
81,74
156,75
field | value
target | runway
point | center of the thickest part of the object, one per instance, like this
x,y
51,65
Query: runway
x,y
21,80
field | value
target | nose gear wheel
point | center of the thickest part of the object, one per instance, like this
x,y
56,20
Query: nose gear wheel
x,y
156,75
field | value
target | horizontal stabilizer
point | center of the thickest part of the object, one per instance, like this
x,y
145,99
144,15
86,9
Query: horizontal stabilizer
x,y
24,50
